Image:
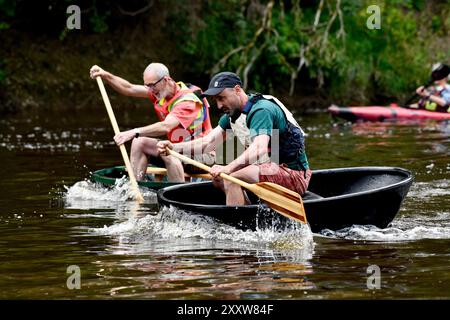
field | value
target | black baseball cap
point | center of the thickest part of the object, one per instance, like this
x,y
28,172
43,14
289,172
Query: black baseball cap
x,y
440,72
221,81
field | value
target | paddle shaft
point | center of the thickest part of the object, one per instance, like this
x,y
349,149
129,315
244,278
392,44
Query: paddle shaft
x,y
123,150
208,169
406,105
163,171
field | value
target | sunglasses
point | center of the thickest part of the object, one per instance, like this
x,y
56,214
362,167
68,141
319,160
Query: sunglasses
x,y
152,85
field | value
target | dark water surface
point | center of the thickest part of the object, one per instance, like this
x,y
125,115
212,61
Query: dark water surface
x,y
51,218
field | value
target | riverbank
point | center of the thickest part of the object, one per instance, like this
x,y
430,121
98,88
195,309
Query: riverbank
x,y
43,72
47,73
308,62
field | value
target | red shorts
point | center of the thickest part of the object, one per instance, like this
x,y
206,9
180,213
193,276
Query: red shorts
x,y
294,180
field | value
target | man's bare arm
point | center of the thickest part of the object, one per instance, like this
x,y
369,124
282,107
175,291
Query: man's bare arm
x,y
119,84
202,145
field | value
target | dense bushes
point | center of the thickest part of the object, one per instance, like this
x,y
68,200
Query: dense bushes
x,y
327,39
295,47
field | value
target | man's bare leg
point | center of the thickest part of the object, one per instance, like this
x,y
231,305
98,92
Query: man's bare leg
x,y
175,170
143,147
234,193
218,183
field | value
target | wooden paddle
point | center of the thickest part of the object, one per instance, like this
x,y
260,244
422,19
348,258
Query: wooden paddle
x,y
123,150
280,199
163,171
440,71
407,103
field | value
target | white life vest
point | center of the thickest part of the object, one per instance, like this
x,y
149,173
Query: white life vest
x,y
242,132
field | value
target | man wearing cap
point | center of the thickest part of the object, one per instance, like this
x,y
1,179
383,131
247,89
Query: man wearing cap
x,y
436,98
183,117
266,129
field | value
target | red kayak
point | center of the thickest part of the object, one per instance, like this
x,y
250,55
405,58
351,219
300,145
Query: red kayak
x,y
380,113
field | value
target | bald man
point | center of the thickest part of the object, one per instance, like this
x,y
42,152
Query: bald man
x,y
183,117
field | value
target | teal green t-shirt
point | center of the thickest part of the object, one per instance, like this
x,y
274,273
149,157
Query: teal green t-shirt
x,y
263,118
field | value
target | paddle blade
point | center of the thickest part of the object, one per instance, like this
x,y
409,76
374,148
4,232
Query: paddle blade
x,y
282,200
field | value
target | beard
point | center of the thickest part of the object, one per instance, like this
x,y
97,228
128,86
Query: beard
x,y
234,114
161,94
235,109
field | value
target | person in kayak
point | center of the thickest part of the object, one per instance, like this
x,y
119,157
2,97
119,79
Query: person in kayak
x,y
273,140
183,116
437,97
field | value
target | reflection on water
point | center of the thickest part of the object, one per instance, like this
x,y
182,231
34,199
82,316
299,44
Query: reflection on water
x,y
216,272
199,268
53,217
175,253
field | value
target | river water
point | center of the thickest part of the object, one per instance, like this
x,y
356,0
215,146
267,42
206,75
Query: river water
x,y
53,219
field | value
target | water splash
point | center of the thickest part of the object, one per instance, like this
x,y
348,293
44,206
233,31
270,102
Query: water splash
x,y
419,223
172,223
390,234
430,189
422,220
90,195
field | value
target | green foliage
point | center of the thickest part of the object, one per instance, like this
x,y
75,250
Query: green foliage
x,y
280,45
98,21
385,52
436,24
388,62
8,7
63,34
4,26
220,28
7,10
